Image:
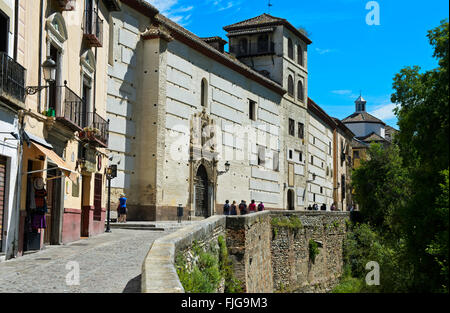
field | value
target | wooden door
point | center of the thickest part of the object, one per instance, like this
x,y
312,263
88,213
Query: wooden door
x,y
201,192
2,199
50,205
98,197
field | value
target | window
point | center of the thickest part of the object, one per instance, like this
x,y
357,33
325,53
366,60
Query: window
x,y
343,186
290,154
314,140
252,110
243,46
301,130
290,86
314,197
312,160
300,91
263,43
300,55
300,156
261,155
276,161
329,148
4,26
204,92
356,154
290,49
321,189
291,127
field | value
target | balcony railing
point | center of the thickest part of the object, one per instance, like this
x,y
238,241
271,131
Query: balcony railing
x,y
253,49
93,28
73,114
12,80
97,130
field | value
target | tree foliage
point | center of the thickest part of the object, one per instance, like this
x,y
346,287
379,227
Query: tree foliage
x,y
403,190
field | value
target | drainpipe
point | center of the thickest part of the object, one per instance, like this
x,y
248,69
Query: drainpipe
x,y
16,28
41,16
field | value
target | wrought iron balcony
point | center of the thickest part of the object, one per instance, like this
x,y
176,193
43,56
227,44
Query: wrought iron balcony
x,y
253,49
12,80
96,132
93,28
73,113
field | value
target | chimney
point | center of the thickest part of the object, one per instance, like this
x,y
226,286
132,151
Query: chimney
x,y
215,42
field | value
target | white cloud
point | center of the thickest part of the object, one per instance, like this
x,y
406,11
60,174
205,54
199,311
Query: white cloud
x,y
172,9
384,111
342,92
323,51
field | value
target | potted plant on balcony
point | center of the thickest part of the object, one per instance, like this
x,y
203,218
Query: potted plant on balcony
x,y
89,132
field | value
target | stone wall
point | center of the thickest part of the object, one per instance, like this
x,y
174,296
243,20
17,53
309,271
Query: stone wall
x,y
158,270
266,257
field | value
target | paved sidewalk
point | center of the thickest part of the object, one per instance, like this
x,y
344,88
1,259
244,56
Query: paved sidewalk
x,y
110,262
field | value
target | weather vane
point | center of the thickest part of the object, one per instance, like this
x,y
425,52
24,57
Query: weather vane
x,y
269,5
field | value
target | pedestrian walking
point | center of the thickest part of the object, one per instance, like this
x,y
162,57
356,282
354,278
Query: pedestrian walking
x,y
310,207
122,209
316,207
242,207
226,208
333,207
252,207
323,207
261,206
233,210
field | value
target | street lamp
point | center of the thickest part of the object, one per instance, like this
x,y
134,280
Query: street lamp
x,y
49,71
111,172
227,168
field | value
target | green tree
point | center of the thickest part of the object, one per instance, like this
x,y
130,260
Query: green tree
x,y
381,186
423,112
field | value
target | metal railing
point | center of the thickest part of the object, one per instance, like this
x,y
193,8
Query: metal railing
x,y
102,125
93,27
253,49
73,113
12,78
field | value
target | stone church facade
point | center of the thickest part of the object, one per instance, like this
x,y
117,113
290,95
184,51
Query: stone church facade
x,y
192,125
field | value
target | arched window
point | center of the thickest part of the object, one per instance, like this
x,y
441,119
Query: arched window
x,y
300,91
290,49
263,43
243,46
290,86
204,93
300,55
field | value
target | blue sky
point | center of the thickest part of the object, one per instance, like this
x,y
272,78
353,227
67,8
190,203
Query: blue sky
x,y
347,55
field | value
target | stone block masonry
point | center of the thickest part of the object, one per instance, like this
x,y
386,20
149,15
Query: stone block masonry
x,y
269,252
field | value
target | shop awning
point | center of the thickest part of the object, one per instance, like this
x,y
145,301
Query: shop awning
x,y
60,163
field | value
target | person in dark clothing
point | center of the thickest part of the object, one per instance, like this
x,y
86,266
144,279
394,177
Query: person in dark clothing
x,y
309,207
226,208
233,210
122,209
323,207
243,207
261,206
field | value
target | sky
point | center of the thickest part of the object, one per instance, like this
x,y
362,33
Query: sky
x,y
348,56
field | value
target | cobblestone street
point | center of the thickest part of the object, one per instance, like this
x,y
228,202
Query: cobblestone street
x,y
110,262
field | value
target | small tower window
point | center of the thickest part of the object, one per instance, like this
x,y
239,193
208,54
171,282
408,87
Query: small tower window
x,y
300,91
252,110
290,86
290,49
204,92
300,55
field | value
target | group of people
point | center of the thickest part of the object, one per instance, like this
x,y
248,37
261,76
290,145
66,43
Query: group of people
x,y
323,207
231,209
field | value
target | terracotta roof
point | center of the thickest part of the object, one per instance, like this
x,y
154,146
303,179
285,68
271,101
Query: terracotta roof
x,y
362,117
372,137
356,143
250,31
214,39
315,108
266,20
195,42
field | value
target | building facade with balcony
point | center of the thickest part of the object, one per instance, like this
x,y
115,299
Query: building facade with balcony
x,y
12,100
64,126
